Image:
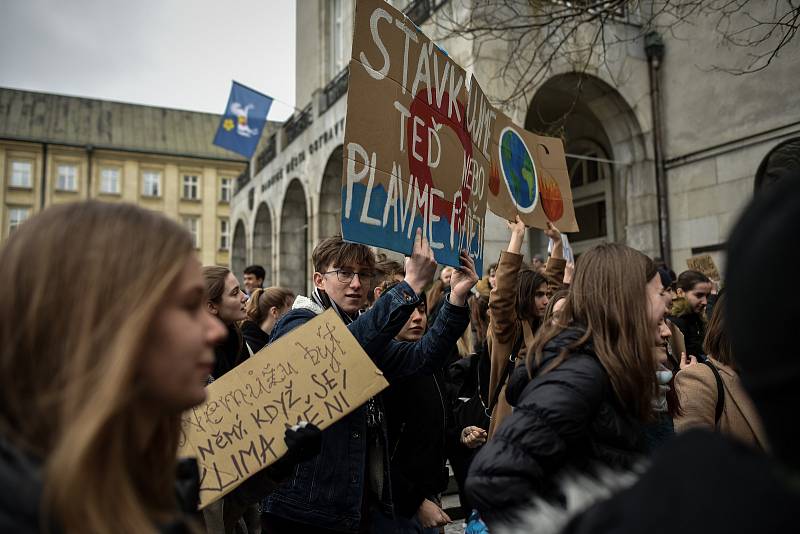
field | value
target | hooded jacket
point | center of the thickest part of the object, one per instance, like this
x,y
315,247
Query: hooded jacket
x,y
567,418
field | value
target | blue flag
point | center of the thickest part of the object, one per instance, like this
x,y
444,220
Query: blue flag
x,y
243,121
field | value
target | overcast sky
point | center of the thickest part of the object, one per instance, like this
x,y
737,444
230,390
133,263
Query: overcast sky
x,y
171,53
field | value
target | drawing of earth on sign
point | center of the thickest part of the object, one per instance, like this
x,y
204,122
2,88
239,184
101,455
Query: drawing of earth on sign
x,y
518,171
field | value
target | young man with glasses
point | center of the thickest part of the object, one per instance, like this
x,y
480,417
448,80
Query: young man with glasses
x,y
349,481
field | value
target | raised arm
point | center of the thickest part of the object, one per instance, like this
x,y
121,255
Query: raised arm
x,y
503,321
556,264
400,358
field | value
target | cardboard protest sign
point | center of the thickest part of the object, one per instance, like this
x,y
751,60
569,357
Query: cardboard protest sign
x,y
704,264
422,142
416,147
317,373
529,178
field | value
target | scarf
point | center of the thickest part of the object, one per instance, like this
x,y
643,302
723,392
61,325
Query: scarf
x,y
320,298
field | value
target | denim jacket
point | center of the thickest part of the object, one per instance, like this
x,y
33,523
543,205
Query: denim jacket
x,y
327,491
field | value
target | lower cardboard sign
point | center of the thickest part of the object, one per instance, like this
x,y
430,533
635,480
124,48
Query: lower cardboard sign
x,y
316,373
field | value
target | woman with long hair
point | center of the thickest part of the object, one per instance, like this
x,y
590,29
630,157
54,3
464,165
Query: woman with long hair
x,y
711,393
263,309
593,379
94,374
226,301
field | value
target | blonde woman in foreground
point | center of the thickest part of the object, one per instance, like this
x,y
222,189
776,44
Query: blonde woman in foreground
x,y
104,341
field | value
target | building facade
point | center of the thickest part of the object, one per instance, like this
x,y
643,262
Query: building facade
x,y
673,190
56,149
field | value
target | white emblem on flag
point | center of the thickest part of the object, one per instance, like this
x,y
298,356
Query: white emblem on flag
x,y
242,128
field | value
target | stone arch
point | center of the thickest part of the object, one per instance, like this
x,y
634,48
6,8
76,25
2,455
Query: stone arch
x,y
781,161
608,166
239,252
330,196
262,241
294,239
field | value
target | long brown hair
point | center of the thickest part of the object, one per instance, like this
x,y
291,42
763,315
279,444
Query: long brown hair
x,y
717,344
608,299
262,300
83,283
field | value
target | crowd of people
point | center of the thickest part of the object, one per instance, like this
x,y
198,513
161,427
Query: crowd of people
x,y
551,390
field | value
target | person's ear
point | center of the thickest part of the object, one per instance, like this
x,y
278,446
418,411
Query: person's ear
x,y
377,292
212,308
680,292
273,311
319,280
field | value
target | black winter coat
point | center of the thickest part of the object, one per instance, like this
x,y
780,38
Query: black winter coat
x,y
20,498
693,329
256,338
416,421
21,480
566,418
700,483
230,353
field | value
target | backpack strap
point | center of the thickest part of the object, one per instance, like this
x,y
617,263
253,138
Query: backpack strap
x,y
720,391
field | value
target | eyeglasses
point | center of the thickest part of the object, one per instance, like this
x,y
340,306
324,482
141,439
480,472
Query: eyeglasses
x,y
345,276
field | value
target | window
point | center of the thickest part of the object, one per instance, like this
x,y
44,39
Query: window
x,y
109,180
17,216
191,187
193,225
151,183
592,218
336,37
67,177
225,190
590,173
224,234
21,172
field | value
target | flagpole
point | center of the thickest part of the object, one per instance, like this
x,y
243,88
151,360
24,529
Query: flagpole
x,y
286,104
269,96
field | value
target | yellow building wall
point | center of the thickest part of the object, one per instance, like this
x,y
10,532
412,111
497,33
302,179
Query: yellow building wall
x,y
209,208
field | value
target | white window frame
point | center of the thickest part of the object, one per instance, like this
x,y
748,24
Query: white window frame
x,y
225,189
224,234
16,216
67,177
192,224
190,188
336,37
147,179
23,180
106,179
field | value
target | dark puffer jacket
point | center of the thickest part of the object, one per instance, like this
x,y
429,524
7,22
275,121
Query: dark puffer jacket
x,y
693,328
567,418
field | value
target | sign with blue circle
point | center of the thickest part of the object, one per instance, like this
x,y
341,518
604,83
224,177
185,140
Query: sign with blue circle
x,y
519,172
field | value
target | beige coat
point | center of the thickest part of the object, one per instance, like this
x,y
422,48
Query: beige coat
x,y
697,390
504,325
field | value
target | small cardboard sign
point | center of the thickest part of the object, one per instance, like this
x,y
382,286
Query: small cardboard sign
x,y
529,178
424,148
317,373
704,263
